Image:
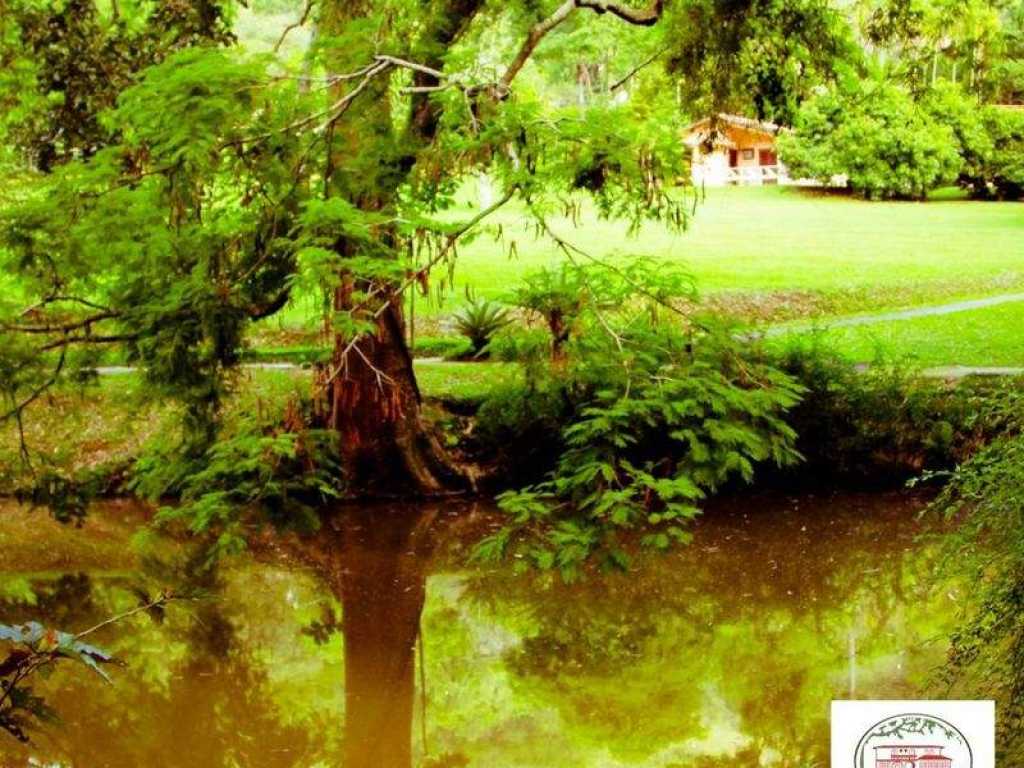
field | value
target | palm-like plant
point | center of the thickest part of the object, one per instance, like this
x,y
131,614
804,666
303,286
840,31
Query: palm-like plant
x,y
479,320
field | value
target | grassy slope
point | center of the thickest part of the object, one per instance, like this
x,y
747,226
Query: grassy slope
x,y
991,336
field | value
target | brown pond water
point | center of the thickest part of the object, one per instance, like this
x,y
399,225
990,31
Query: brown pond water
x,y
724,654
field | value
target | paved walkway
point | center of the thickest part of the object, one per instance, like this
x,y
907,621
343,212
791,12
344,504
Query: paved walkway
x,y
956,372
900,314
942,372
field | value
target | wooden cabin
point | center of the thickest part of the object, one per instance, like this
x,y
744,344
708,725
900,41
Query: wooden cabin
x,y
729,149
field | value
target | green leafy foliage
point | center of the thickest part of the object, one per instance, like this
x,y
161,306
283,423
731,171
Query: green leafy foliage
x,y
758,57
655,412
1008,66
987,653
926,42
990,140
1003,172
74,57
872,133
524,345
564,296
556,296
448,347
35,647
260,474
886,424
949,104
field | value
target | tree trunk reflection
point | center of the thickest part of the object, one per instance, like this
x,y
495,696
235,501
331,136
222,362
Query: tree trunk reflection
x,y
382,584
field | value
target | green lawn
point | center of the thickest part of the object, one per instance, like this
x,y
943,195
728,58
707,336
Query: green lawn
x,y
773,238
799,252
993,336
773,254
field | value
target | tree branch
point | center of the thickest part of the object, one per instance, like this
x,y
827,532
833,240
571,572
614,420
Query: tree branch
x,y
302,20
537,33
569,248
644,17
59,298
71,326
67,341
159,601
16,411
450,23
629,75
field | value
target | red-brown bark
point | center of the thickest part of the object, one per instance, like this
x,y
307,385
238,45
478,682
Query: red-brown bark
x,y
375,406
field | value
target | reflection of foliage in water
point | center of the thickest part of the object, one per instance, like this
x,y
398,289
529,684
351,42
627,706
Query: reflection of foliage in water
x,y
199,673
709,657
736,644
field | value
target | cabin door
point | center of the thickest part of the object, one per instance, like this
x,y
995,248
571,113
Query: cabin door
x,y
734,158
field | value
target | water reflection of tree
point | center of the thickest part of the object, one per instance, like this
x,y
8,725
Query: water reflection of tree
x,y
379,574
760,613
193,694
754,618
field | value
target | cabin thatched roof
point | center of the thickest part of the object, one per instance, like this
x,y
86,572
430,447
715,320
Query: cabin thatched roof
x,y
712,130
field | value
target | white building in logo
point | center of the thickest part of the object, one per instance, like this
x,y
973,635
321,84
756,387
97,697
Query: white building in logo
x,y
911,756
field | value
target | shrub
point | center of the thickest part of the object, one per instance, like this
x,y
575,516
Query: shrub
x,y
520,345
873,133
1004,172
451,347
987,552
561,297
555,296
658,417
478,321
519,426
990,140
948,104
886,424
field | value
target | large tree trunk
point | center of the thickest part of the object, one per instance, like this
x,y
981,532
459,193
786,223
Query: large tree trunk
x,y
374,401
375,406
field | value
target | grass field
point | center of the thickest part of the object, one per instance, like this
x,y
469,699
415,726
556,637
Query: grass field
x,y
982,337
788,252
773,254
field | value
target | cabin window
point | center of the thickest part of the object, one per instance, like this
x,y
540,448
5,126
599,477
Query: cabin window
x,y
768,157
748,154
